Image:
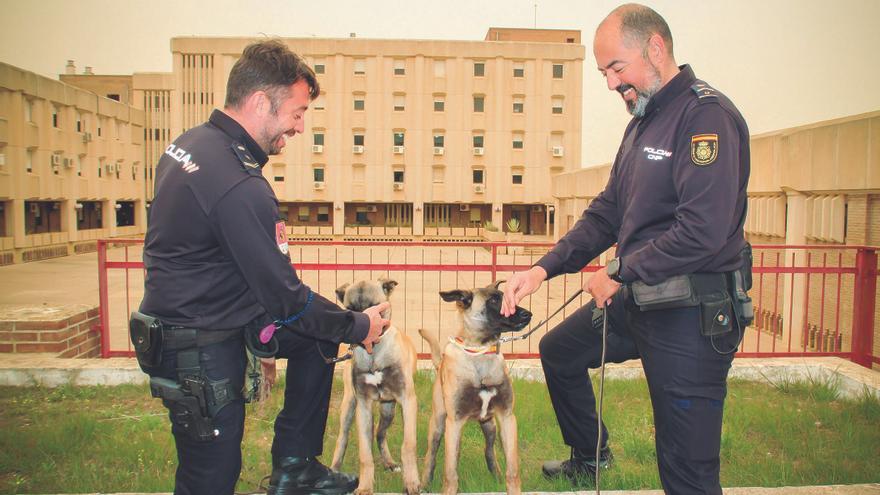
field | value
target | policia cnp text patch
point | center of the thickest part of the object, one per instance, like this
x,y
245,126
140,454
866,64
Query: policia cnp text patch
x,y
704,149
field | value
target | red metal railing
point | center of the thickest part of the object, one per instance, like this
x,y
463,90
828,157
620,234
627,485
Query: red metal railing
x,y
811,300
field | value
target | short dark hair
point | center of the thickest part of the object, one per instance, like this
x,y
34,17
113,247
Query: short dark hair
x,y
271,67
638,23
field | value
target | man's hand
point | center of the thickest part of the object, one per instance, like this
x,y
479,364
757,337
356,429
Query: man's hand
x,y
377,325
519,286
601,287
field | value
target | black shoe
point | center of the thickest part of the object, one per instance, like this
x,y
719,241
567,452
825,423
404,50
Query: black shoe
x,y
306,475
580,465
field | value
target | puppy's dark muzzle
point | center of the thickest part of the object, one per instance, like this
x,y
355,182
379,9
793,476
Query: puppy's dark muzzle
x,y
518,320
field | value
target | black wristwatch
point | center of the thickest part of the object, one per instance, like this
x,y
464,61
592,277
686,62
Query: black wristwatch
x,y
613,270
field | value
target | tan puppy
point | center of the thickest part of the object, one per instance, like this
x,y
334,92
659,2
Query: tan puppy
x,y
473,383
385,375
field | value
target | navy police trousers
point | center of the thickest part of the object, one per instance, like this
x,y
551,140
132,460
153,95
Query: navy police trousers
x,y
213,467
687,380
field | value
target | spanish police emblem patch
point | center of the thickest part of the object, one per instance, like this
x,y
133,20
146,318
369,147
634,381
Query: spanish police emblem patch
x,y
704,149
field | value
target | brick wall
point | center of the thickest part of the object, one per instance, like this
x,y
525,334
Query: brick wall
x,y
75,336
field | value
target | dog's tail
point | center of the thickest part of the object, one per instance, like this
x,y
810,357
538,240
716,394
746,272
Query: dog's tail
x,y
432,341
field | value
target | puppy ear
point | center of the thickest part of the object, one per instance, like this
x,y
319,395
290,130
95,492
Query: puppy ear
x,y
463,297
495,284
388,285
340,292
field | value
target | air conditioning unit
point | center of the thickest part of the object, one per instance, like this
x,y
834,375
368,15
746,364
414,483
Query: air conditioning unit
x,y
87,137
2,161
118,167
397,150
398,186
357,149
56,159
319,186
371,209
464,207
479,188
68,163
478,151
537,208
317,148
558,151
438,150
108,168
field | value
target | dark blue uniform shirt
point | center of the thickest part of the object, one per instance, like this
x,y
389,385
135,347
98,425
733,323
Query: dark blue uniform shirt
x,y
216,250
676,197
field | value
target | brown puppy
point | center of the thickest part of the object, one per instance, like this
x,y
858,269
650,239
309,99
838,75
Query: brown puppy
x,y
473,383
385,375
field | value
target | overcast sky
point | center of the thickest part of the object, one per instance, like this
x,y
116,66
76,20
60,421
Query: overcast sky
x,y
783,62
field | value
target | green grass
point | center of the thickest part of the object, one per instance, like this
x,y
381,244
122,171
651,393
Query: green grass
x,y
116,439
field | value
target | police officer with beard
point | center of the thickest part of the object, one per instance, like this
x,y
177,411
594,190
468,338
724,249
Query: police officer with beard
x,y
675,204
218,269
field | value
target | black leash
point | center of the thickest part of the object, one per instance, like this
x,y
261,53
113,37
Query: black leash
x,y
524,336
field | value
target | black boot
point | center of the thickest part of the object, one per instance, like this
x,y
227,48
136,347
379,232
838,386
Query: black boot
x,y
306,475
580,465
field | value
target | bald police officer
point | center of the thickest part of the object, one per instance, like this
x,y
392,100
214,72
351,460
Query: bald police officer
x,y
217,263
674,204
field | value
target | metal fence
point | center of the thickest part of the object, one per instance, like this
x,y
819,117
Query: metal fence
x,y
809,300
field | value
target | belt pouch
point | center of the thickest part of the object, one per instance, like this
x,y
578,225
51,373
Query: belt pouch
x,y
146,338
674,292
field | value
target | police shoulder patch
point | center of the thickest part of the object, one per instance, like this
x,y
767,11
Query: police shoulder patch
x,y
242,153
704,92
704,149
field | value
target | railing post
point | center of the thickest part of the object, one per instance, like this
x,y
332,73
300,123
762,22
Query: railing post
x,y
494,262
864,294
103,299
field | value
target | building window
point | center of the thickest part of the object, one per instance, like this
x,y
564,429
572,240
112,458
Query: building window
x,y
318,174
359,102
29,161
323,214
439,139
100,167
518,104
360,66
439,68
124,213
517,140
302,214
479,101
79,167
113,96
478,176
358,139
557,71
399,102
56,122
398,176
516,178
318,138
437,173
319,67
479,69
279,178
479,140
519,69
79,124
28,110
556,103
318,104
439,103
398,138
399,67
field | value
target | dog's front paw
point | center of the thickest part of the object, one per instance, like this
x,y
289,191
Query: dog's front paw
x,y
411,488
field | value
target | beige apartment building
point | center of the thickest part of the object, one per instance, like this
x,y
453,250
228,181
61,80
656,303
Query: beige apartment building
x,y
71,165
412,137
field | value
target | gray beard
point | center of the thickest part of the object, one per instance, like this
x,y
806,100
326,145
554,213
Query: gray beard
x,y
637,107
